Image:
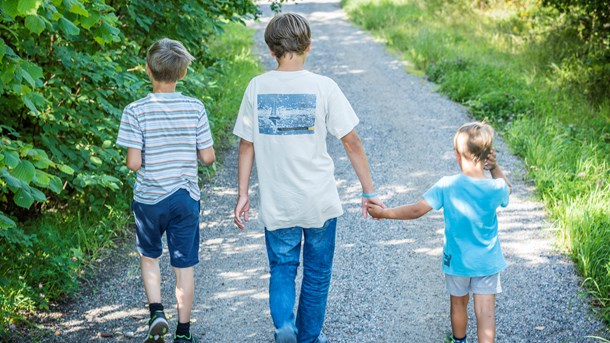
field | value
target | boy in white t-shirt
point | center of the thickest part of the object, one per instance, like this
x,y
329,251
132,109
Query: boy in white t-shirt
x,y
472,257
283,122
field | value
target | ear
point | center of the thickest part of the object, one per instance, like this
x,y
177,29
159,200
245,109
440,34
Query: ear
x,y
272,53
149,73
458,158
308,48
183,75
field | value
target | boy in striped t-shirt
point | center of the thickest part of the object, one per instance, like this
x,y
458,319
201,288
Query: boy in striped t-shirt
x,y
165,133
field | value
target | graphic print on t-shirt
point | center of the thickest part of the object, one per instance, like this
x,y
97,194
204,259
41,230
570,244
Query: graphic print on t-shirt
x,y
286,114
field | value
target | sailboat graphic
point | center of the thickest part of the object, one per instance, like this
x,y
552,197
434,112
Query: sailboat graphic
x,y
274,117
287,114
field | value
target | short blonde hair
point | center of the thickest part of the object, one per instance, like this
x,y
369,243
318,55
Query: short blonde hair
x,y
474,141
288,33
168,60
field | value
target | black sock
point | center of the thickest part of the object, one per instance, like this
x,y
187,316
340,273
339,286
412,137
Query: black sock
x,y
183,329
154,307
459,340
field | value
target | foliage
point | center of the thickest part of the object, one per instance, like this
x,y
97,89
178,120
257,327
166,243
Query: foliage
x,y
529,70
589,21
67,68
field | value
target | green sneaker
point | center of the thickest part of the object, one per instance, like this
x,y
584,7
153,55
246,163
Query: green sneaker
x,y
185,339
157,328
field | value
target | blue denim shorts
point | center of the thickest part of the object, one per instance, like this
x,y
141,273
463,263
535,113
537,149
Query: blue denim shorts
x,y
178,215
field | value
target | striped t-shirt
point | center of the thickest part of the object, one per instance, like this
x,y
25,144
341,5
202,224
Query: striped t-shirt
x,y
169,128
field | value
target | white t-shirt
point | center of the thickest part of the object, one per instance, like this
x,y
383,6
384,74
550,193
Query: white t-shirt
x,y
287,115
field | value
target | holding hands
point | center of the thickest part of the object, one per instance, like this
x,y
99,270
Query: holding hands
x,y
369,200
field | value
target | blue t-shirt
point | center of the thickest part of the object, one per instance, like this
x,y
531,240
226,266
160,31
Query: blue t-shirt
x,y
472,247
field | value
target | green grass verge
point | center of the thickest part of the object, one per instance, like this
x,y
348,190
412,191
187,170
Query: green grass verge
x,y
516,64
46,260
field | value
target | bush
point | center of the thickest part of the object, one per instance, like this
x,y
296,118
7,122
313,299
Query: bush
x,y
67,69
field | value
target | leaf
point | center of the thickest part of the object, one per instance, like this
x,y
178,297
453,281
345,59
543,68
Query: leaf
x,y
25,171
11,158
68,27
10,7
38,195
66,169
27,77
96,160
28,102
35,99
32,69
42,179
2,49
79,9
28,7
90,21
23,198
6,222
55,185
13,183
34,24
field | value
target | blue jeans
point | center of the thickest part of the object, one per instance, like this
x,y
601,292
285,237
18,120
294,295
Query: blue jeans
x,y
284,250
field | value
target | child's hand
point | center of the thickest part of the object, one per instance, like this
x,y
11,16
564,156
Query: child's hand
x,y
490,162
370,201
241,209
375,210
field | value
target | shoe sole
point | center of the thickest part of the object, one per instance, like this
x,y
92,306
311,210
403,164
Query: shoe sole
x,y
158,329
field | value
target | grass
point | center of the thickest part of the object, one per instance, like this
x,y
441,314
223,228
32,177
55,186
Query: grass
x,y
516,64
46,261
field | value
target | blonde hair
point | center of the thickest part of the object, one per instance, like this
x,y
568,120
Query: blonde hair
x,y
168,60
288,33
474,141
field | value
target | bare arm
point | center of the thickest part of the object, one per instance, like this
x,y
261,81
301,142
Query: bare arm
x,y
134,159
244,168
357,156
496,172
412,211
207,156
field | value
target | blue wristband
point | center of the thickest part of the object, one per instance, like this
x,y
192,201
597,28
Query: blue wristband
x,y
368,196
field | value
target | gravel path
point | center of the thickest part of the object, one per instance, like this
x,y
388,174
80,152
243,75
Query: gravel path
x,y
387,281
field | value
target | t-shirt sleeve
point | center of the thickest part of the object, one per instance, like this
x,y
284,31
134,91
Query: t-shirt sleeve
x,y
340,116
434,196
204,134
130,133
244,125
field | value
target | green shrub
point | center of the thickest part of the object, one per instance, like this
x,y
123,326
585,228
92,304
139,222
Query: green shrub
x,y
67,69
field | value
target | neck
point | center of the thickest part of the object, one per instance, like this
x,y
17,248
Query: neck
x,y
474,170
291,62
164,87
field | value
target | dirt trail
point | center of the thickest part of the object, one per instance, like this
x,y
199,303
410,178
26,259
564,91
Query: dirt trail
x,y
387,281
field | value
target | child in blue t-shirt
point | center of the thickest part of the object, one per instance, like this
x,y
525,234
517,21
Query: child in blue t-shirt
x,y
472,257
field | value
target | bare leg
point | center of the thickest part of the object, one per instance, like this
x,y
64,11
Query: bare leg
x,y
459,315
185,291
484,309
151,275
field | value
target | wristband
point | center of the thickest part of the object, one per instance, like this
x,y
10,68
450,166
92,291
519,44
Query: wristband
x,y
368,196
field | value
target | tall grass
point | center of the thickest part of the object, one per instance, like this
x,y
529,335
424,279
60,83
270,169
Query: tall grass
x,y
516,64
46,261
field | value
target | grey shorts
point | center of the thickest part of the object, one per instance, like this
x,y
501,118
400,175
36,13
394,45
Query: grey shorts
x,y
459,285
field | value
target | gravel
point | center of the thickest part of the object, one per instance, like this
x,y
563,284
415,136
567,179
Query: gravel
x,y
387,282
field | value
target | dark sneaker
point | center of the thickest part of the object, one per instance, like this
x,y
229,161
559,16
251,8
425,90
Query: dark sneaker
x,y
157,328
449,339
185,339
